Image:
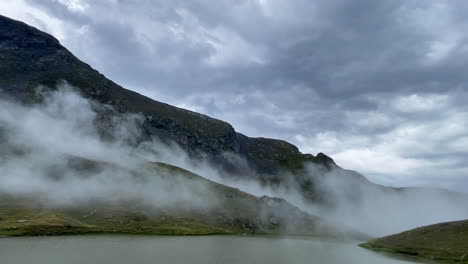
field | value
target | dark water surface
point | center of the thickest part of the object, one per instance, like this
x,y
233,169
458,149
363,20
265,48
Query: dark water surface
x,y
127,249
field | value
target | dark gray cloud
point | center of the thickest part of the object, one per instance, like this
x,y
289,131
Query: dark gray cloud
x,y
378,85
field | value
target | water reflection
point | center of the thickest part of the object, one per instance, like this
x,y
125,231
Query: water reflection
x,y
199,250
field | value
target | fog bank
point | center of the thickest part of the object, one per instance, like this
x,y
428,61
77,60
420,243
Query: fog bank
x,y
68,151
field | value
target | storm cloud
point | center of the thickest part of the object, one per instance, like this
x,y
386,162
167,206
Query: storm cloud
x,y
378,86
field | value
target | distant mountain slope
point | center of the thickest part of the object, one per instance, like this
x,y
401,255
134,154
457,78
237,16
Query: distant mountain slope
x,y
29,57
441,243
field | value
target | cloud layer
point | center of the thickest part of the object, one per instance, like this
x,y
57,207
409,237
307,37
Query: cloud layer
x,y
379,86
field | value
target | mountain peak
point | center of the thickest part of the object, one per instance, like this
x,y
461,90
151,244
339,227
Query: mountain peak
x,y
326,160
15,30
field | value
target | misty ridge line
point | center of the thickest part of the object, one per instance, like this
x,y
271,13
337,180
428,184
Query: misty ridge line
x,y
66,125
40,143
70,124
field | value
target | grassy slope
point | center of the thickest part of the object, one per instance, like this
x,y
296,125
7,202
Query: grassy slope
x,y
100,220
236,212
441,243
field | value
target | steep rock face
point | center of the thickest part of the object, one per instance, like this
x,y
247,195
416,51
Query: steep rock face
x,y
29,57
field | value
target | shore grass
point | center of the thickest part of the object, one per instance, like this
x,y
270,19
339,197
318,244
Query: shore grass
x,y
439,243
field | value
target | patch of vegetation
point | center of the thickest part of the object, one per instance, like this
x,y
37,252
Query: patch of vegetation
x,y
63,222
439,243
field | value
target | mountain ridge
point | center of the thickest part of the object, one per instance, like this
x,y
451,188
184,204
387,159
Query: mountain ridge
x,y
30,58
42,60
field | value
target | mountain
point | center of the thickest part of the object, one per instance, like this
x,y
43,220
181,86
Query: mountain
x,y
32,61
29,57
440,243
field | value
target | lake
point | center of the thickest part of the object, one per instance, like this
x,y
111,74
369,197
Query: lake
x,y
128,249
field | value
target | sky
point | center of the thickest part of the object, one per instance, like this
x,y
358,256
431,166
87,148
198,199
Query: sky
x,y
380,86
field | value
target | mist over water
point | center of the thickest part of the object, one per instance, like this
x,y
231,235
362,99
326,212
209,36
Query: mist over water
x,y
40,146
380,211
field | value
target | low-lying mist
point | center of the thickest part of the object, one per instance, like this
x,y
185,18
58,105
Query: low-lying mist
x,y
65,152
57,152
379,210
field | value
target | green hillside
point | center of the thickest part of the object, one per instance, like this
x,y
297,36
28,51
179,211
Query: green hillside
x,y
441,243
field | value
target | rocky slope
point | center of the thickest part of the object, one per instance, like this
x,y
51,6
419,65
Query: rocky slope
x,y
29,57
439,243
